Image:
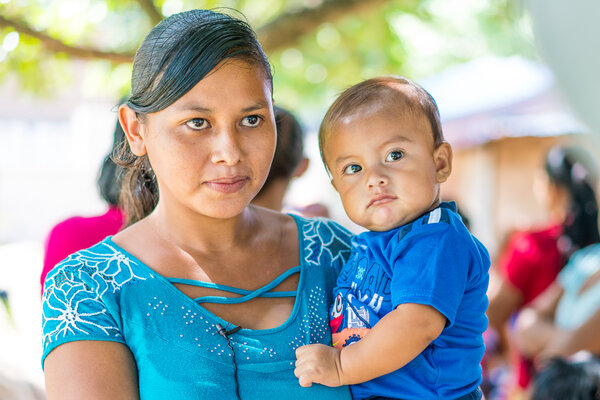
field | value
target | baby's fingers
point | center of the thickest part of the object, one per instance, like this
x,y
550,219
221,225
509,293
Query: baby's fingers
x,y
303,375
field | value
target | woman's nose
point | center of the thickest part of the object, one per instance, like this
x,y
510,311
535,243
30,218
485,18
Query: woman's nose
x,y
226,148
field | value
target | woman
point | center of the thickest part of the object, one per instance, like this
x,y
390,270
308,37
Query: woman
x,y
203,295
533,259
565,318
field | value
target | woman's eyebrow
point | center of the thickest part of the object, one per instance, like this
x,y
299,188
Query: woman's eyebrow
x,y
199,108
256,106
193,107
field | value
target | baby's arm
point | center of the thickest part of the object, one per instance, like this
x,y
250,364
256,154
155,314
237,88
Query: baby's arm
x,y
392,343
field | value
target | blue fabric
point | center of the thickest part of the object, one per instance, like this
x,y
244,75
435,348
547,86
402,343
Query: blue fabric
x,y
434,261
575,308
476,394
104,293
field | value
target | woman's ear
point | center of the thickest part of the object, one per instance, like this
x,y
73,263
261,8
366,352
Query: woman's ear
x,y
442,157
301,168
133,130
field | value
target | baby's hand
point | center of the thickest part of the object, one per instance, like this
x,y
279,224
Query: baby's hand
x,y
317,363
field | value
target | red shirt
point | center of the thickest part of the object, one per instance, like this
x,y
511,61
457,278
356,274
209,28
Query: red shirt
x,y
531,262
78,233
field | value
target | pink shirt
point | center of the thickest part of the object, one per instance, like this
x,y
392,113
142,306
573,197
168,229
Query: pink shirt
x,y
78,233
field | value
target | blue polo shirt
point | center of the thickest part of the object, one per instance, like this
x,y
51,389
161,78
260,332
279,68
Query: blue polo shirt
x,y
435,261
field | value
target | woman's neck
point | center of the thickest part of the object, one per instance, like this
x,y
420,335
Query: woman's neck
x,y
198,233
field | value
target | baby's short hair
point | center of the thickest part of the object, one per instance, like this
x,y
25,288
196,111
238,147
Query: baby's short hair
x,y
415,100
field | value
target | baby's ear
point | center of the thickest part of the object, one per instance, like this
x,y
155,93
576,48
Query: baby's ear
x,y
442,156
132,127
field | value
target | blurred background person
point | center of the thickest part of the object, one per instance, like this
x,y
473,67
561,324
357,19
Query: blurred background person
x,y
564,380
78,232
289,162
532,259
565,318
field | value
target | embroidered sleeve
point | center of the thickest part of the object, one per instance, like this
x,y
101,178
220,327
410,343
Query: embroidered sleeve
x,y
327,243
75,298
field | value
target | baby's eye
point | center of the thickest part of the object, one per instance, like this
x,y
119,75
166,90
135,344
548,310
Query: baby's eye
x,y
197,123
352,169
251,121
394,155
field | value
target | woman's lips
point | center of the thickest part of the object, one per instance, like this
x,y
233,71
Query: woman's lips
x,y
227,185
381,199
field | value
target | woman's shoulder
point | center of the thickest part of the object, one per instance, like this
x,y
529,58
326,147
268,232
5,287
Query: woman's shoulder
x,y
101,267
585,261
539,237
323,241
535,243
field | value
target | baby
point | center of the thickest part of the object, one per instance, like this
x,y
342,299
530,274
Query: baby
x,y
409,308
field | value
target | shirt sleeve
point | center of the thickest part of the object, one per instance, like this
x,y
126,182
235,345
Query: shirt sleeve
x,y
431,267
326,243
73,308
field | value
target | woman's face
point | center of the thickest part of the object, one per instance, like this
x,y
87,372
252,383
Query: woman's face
x,y
211,150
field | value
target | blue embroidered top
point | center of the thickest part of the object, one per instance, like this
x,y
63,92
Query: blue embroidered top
x,y
105,293
435,261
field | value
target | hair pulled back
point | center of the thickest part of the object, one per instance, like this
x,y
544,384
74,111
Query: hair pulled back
x,y
568,167
175,55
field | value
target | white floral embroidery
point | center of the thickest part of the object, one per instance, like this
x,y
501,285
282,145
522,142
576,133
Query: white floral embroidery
x,y
74,289
327,242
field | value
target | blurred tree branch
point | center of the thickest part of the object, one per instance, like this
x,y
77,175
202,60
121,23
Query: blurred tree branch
x,y
281,32
56,45
286,29
150,9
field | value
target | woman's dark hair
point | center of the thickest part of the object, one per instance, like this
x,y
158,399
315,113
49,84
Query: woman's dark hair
x,y
572,169
177,53
290,146
109,179
566,380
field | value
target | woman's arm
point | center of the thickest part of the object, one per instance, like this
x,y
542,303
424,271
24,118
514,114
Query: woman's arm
x,y
504,300
567,343
393,342
91,370
535,328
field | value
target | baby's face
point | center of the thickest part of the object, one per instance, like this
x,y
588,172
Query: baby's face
x,y
385,167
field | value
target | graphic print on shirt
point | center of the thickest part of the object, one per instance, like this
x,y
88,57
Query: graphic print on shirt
x,y
359,297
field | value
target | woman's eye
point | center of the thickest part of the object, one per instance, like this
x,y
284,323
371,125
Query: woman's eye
x,y
196,123
394,155
352,169
251,120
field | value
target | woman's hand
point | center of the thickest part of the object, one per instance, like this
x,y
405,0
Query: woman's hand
x,y
317,363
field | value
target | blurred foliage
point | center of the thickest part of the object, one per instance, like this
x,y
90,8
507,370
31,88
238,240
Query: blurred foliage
x,y
415,38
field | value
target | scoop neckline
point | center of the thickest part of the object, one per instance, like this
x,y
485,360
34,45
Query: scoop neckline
x,y
216,319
